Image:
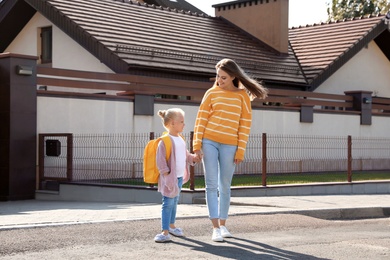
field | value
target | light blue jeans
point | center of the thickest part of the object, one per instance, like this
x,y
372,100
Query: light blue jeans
x,y
169,207
219,166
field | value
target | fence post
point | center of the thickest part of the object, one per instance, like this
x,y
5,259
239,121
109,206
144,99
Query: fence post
x,y
41,160
264,160
349,158
69,158
192,168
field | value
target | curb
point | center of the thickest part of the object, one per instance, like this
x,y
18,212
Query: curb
x,y
346,213
328,214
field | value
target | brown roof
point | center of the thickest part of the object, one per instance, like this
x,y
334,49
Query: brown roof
x,y
177,4
145,39
149,40
324,48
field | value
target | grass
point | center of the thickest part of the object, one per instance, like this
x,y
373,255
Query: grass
x,y
286,178
277,179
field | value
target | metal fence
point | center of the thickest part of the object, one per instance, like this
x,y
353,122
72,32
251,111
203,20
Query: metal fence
x,y
118,158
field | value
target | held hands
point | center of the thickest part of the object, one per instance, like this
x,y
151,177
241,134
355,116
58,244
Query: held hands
x,y
198,156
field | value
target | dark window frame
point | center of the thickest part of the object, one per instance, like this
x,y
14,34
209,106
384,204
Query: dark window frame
x,y
46,45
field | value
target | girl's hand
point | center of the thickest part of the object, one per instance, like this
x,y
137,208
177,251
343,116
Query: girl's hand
x,y
199,155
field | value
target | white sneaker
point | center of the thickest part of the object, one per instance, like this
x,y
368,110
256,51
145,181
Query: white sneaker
x,y
225,232
178,232
217,235
161,238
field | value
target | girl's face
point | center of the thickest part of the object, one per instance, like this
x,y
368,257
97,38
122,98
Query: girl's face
x,y
177,125
224,80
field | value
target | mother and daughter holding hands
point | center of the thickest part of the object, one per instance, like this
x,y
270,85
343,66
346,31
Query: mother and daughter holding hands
x,y
221,133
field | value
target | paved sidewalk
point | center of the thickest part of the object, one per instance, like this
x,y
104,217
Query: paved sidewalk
x,y
38,213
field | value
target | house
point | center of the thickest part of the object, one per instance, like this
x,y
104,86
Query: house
x,y
353,54
144,40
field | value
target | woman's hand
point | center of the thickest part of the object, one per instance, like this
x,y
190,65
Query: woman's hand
x,y
199,155
196,159
237,161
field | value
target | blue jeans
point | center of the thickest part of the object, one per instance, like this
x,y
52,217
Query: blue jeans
x,y
169,207
219,166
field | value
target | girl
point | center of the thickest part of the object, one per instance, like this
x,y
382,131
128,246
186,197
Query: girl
x,y
173,173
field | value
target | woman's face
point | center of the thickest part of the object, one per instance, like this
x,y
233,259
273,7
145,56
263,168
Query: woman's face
x,y
224,80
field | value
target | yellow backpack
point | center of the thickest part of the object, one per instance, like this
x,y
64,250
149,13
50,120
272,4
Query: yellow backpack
x,y
150,170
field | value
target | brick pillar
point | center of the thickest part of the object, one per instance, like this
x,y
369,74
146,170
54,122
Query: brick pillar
x,y
18,127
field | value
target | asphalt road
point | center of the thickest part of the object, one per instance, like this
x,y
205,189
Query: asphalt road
x,y
278,236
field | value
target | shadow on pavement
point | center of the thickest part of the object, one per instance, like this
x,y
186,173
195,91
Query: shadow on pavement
x,y
243,249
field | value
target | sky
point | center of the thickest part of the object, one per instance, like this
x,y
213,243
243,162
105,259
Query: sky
x,y
301,12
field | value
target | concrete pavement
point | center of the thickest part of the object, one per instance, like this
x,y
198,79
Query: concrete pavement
x,y
40,213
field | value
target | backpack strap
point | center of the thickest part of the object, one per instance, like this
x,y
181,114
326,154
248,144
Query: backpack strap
x,y
168,145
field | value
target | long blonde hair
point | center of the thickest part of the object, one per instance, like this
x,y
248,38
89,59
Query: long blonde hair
x,y
255,89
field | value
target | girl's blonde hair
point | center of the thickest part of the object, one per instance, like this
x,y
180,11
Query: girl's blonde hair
x,y
242,80
170,114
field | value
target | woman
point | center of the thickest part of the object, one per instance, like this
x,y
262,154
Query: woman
x,y
221,133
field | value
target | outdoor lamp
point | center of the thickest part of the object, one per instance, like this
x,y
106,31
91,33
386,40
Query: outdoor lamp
x,y
24,70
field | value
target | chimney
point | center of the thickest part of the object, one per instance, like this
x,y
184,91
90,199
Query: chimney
x,y
266,20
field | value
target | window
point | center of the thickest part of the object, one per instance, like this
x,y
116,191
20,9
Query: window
x,y
46,45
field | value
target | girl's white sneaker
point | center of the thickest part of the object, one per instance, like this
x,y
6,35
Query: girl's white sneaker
x,y
161,238
178,232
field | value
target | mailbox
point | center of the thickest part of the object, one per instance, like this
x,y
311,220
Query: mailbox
x,y
53,148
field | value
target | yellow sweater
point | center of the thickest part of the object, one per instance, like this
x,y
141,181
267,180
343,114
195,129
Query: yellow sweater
x,y
224,117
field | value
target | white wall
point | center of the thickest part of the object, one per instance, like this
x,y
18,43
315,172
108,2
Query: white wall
x,y
287,123
67,54
66,115
368,70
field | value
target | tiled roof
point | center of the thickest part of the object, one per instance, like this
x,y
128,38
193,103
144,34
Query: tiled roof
x,y
147,37
177,4
323,48
149,40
